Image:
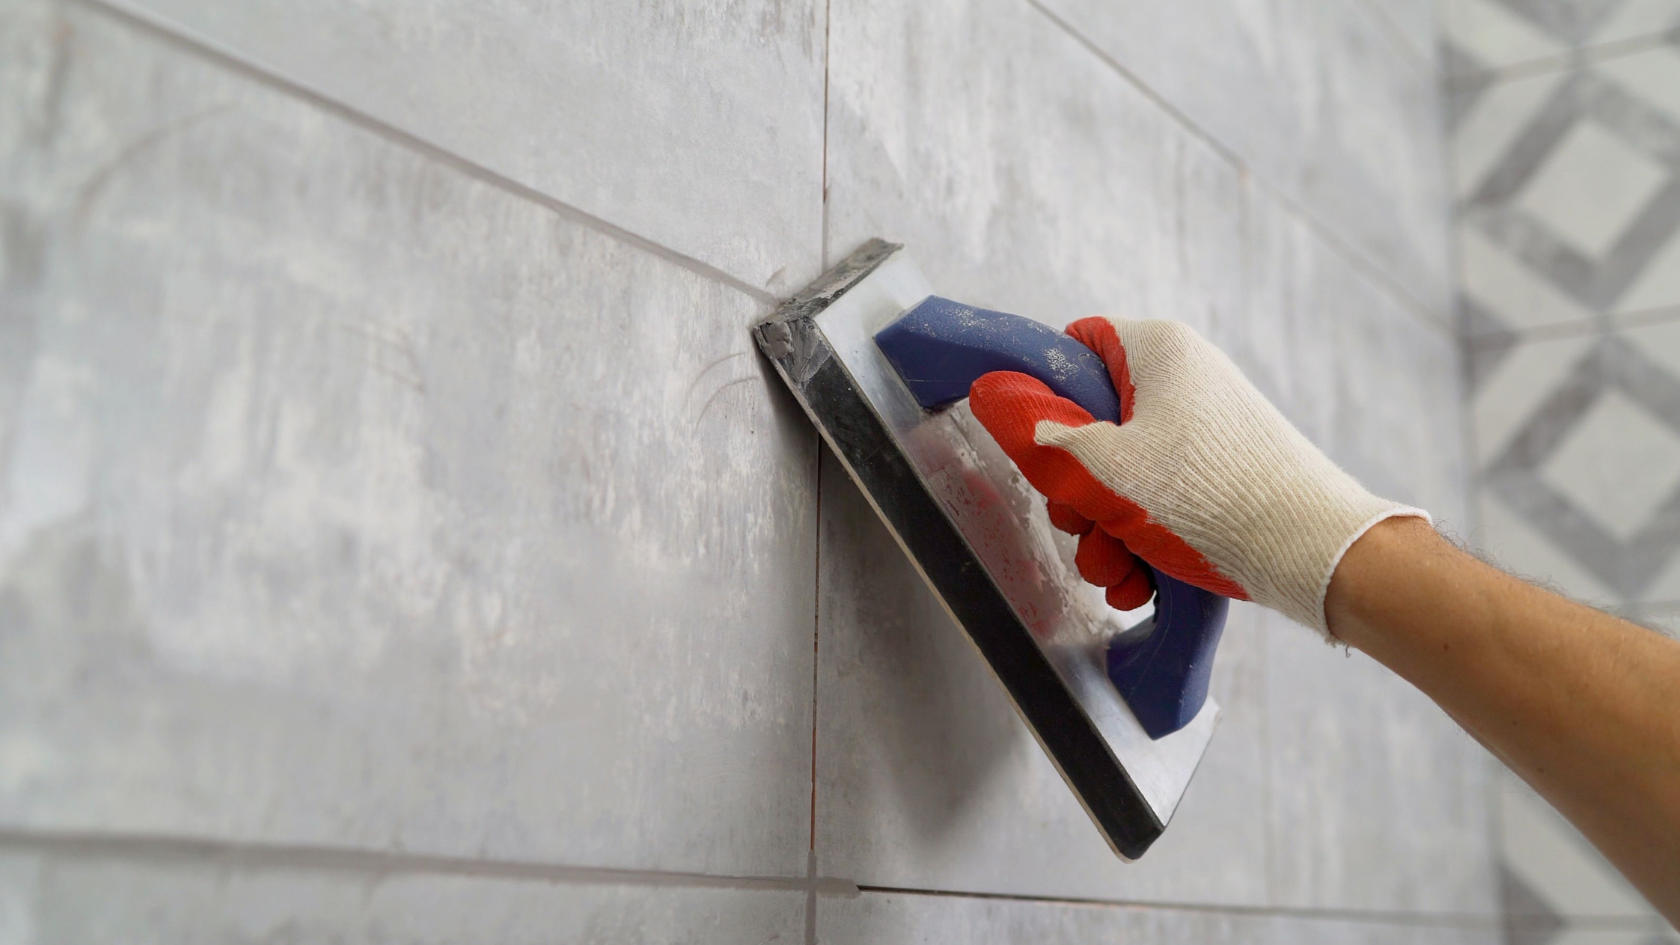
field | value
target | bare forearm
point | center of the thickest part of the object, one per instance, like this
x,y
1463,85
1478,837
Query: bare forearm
x,y
1583,706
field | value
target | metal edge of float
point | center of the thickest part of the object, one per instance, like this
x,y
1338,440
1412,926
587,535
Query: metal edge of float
x,y
862,442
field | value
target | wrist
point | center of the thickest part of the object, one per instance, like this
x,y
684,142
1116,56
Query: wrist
x,y
1371,578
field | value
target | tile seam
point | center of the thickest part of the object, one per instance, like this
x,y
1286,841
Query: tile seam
x,y
1467,920
1570,60
1596,324
1333,240
209,50
271,857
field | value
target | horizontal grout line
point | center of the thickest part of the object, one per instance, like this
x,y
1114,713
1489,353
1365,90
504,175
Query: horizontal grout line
x,y
224,854
1572,59
1615,321
1372,916
206,48
1341,247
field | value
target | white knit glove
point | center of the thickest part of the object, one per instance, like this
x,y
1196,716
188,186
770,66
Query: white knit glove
x,y
1205,480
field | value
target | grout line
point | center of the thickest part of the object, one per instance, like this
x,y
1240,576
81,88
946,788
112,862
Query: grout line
x,y
1458,920
1349,253
827,5
152,848
205,48
1596,324
816,577
1569,60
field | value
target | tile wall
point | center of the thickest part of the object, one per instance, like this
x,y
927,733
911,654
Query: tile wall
x,y
1564,121
401,539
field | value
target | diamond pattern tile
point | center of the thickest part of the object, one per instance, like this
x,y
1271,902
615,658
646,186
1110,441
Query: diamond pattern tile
x,y
1571,191
1568,171
1591,188
1619,464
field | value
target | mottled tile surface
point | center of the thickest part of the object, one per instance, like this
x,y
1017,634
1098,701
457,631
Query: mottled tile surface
x,y
1318,99
1570,187
888,919
696,126
1378,801
46,898
351,501
1021,171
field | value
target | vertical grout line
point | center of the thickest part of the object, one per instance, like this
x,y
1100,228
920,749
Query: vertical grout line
x,y
816,583
826,31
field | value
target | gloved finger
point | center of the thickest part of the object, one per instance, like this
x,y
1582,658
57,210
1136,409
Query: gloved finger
x,y
1098,334
1066,518
1131,593
1014,407
1102,559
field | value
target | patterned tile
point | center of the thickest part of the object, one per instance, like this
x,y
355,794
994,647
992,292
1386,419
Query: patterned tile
x,y
1627,407
1586,194
1508,32
1569,189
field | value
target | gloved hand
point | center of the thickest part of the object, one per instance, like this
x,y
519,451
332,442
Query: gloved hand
x,y
1204,480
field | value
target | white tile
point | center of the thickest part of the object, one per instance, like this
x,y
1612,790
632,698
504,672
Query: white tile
x,y
890,919
1653,77
1504,285
1591,187
1498,117
1317,99
1507,399
1637,18
1554,861
1618,465
698,127
1379,802
393,510
1658,286
1510,542
85,899
1660,343
1495,35
926,778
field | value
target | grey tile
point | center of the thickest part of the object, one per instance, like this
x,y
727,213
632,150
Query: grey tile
x,y
1022,172
1374,386
350,501
926,779
887,919
1378,800
697,127
52,898
1317,100
1024,175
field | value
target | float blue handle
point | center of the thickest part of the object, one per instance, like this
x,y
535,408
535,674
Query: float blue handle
x,y
939,348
